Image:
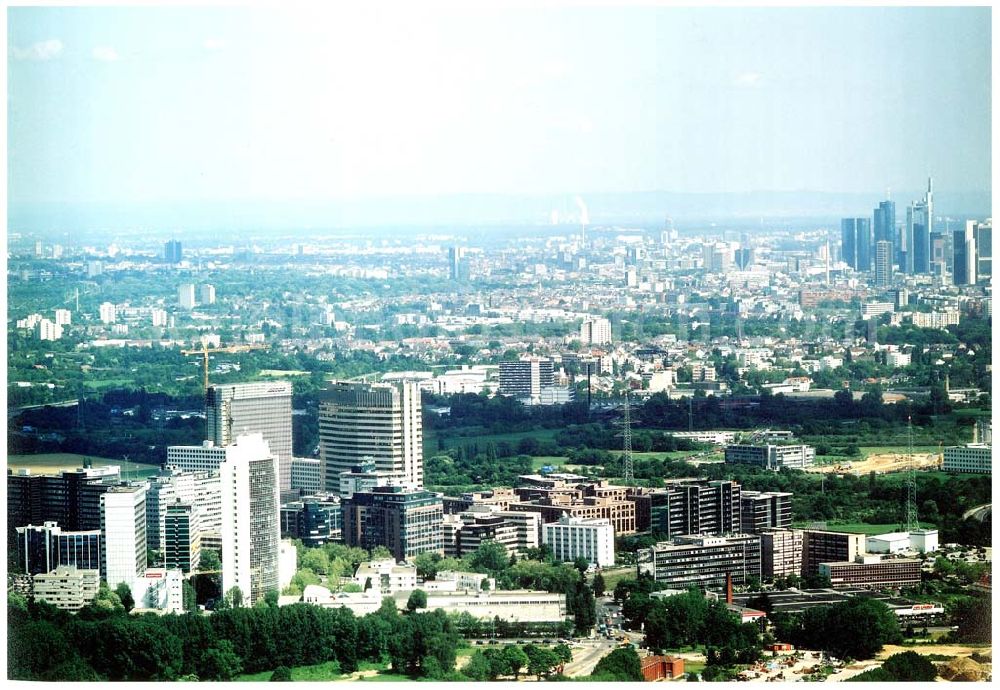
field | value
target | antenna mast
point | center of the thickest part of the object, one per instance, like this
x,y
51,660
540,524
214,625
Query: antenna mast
x,y
911,482
627,450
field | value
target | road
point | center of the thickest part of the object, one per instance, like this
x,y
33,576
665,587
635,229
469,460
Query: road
x,y
981,513
585,658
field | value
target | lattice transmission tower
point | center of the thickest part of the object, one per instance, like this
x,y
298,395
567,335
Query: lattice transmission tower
x,y
627,462
911,482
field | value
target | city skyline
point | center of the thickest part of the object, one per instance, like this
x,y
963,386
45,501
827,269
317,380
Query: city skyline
x,y
431,104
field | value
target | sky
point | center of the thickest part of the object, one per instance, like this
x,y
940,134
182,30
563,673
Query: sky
x,y
123,105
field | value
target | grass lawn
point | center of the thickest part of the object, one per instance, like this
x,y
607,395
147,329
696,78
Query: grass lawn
x,y
540,461
693,667
468,435
386,677
861,527
328,670
613,577
53,463
877,450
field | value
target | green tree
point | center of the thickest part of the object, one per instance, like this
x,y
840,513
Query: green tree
x,y
490,557
210,561
124,593
281,674
516,659
381,553
620,665
541,660
220,662
417,600
190,597
910,666
478,667
598,585
234,597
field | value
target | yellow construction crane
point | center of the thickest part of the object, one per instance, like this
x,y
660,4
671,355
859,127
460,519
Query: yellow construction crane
x,y
205,350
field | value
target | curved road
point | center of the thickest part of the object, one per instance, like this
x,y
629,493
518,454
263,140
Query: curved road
x,y
981,513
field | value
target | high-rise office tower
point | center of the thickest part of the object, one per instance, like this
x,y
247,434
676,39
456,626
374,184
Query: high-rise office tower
x,y
172,252
406,522
983,234
241,408
526,378
883,263
919,226
251,527
856,242
377,422
123,534
182,538
596,331
185,296
885,226
456,263
964,248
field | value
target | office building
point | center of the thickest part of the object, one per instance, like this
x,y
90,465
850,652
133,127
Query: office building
x,y
173,252
964,261
703,561
572,538
974,458
689,506
983,234
67,587
380,422
405,522
42,549
182,538
856,243
185,296
465,531
780,553
108,312
316,520
936,319
307,475
457,269
873,572
771,457
884,227
159,589
363,477
123,534
207,294
596,331
555,495
500,498
883,263
526,378
821,546
765,510
919,226
264,408
250,521
48,330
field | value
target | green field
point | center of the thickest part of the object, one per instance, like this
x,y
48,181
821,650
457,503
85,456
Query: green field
x,y
53,463
540,461
283,372
861,527
612,576
469,435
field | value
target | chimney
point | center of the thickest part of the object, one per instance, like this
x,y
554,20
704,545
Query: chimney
x,y
729,588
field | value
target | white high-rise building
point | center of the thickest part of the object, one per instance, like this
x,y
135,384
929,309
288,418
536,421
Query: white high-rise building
x,y
185,296
158,317
108,312
591,538
63,317
377,421
595,331
251,528
246,408
47,330
123,534
201,489
207,294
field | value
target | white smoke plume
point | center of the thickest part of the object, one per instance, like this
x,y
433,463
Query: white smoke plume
x,y
584,214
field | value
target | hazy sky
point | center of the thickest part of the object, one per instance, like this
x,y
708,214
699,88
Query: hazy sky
x,y
118,104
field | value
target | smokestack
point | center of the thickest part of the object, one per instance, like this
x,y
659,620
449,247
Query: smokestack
x,y
729,588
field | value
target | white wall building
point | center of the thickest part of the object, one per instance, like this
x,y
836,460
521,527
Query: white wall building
x,y
591,538
287,562
63,317
596,331
185,296
108,312
123,534
386,576
207,294
66,587
972,457
251,528
159,589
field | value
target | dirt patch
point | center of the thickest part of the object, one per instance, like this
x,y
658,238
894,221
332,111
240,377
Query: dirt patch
x,y
882,463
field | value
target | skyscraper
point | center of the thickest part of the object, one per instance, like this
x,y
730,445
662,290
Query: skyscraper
x,y
456,263
123,534
856,242
919,225
251,528
885,226
405,522
377,421
172,252
527,377
266,408
182,538
185,296
964,247
983,234
883,263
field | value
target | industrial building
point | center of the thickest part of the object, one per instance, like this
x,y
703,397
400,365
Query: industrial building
x,y
873,572
821,546
771,457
